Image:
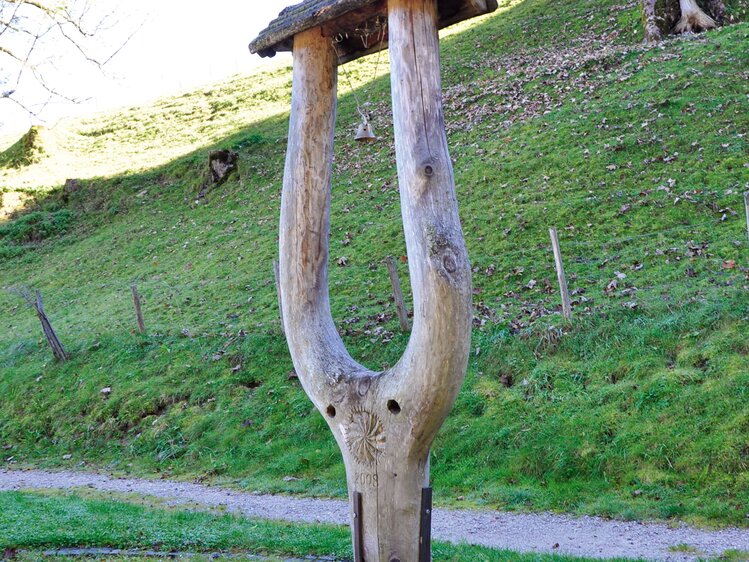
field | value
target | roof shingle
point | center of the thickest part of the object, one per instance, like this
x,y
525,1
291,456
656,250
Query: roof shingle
x,y
345,18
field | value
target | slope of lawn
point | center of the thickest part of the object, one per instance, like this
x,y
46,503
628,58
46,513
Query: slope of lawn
x,y
556,116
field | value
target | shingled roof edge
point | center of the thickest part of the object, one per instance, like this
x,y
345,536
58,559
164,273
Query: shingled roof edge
x,y
294,19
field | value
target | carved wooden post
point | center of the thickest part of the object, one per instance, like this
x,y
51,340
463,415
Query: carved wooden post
x,y
383,422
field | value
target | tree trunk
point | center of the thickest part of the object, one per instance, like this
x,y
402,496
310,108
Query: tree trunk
x,y
717,9
652,32
693,19
667,13
383,422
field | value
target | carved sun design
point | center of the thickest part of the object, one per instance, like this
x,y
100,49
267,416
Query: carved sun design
x,y
365,436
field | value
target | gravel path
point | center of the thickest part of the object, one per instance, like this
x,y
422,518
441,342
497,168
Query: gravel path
x,y
582,536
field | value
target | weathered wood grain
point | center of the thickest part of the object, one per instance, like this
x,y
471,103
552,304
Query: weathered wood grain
x,y
344,17
383,422
561,277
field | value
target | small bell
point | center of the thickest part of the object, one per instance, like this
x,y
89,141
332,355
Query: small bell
x,y
365,133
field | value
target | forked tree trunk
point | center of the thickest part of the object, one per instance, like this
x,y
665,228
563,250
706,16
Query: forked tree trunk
x,y
693,19
383,422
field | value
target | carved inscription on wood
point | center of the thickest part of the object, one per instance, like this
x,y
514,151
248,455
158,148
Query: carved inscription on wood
x,y
365,436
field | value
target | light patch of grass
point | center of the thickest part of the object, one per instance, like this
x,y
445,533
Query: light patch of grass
x,y
29,149
735,556
685,548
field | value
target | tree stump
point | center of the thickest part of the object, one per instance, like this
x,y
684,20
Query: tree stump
x,y
663,17
221,165
70,187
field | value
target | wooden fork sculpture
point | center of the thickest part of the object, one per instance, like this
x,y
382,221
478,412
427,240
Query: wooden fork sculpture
x,y
384,422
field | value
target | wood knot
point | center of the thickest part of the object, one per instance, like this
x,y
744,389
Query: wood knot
x,y
363,386
428,170
450,263
445,252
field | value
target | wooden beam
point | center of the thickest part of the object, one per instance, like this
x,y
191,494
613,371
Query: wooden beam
x,y
344,17
746,208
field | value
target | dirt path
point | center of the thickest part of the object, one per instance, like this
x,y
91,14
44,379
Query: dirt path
x,y
582,536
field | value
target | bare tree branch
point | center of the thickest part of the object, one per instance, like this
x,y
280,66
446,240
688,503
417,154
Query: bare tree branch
x,y
10,53
55,93
27,31
9,96
12,17
123,44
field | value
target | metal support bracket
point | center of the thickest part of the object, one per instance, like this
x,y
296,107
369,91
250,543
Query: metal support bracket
x,y
358,529
425,529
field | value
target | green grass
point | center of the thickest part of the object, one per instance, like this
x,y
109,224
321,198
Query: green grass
x,y
735,556
684,548
637,410
36,226
26,151
36,521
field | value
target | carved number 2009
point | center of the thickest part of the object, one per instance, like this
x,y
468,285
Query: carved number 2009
x,y
366,479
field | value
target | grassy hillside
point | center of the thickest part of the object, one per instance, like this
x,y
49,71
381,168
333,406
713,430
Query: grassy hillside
x,y
557,116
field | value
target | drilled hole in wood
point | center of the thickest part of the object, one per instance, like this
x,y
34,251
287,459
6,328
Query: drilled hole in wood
x,y
394,407
331,411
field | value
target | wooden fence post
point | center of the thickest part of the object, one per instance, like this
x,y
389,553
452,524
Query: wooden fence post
x,y
400,303
54,342
746,207
138,311
278,294
566,305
